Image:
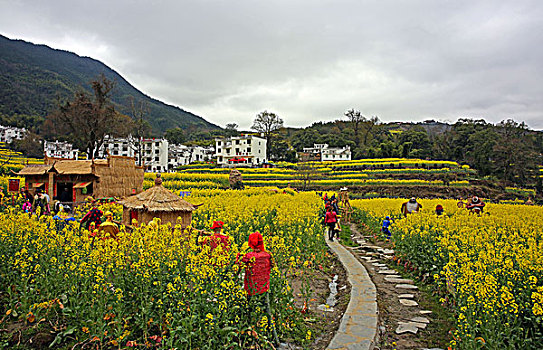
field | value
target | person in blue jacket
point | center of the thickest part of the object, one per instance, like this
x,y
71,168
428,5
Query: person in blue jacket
x,y
385,227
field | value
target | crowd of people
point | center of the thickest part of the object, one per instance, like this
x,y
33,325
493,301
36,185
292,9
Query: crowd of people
x,y
474,205
332,216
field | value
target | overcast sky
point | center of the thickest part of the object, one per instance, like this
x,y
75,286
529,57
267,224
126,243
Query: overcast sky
x,y
308,60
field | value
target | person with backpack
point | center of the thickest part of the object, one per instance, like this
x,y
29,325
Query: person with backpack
x,y
330,220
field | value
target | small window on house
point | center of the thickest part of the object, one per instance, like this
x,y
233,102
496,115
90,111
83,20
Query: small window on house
x,y
156,151
237,142
228,150
219,143
157,144
237,150
156,159
220,159
248,149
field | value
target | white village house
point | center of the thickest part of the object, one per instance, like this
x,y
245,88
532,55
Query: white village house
x,y
245,149
154,151
10,133
59,149
182,155
326,153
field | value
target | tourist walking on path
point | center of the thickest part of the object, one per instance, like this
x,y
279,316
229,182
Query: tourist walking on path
x,y
331,220
411,206
258,264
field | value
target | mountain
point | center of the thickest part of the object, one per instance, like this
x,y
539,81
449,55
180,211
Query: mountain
x,y
33,76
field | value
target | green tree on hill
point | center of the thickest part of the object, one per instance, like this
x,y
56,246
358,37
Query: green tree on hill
x,y
87,119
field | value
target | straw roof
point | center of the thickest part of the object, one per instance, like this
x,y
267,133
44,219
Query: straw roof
x,y
77,167
157,199
35,169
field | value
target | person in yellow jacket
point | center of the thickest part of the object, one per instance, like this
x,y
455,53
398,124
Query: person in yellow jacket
x,y
109,229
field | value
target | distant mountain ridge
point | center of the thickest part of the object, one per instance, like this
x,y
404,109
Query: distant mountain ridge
x,y
32,76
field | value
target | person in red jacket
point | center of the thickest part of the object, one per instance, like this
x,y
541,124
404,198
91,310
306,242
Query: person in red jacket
x,y
258,264
217,238
331,220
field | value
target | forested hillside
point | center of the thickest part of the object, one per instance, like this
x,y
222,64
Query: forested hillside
x,y
32,77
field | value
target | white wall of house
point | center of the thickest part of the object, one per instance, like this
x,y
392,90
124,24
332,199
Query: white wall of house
x,y
155,155
58,149
10,133
249,147
330,153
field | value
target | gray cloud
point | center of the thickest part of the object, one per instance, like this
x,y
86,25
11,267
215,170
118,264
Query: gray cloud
x,y
308,60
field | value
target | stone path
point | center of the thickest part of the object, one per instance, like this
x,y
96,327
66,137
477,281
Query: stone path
x,y
374,255
358,327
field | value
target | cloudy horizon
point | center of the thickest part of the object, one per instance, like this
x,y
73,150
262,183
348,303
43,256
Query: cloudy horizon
x,y
308,61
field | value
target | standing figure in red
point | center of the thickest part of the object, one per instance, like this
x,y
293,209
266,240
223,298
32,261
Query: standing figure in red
x,y
217,238
331,221
94,215
258,264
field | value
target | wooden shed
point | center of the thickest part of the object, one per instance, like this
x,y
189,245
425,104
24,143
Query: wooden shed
x,y
157,202
71,181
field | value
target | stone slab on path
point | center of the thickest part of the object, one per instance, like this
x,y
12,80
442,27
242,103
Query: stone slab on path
x,y
408,302
406,296
419,319
407,327
398,280
388,272
406,286
358,328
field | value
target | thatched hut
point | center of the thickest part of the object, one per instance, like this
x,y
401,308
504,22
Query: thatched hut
x,y
157,202
71,181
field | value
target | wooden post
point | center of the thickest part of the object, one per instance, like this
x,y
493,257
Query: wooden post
x,y
50,185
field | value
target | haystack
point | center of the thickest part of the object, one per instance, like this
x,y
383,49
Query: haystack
x,y
236,180
157,202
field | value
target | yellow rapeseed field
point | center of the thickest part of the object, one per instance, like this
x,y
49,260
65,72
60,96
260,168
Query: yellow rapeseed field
x,y
490,266
158,286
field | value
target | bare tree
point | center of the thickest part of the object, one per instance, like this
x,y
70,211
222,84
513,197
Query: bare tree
x,y
232,129
266,123
355,117
141,126
307,172
86,119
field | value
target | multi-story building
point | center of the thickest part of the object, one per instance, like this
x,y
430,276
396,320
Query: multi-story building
x,y
59,149
126,147
154,152
10,133
324,153
245,149
155,155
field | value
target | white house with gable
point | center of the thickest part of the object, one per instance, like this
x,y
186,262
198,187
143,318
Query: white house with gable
x,y
240,150
327,153
59,149
10,133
